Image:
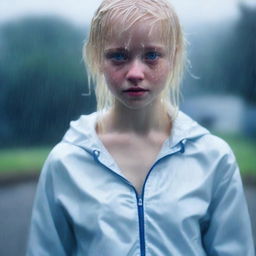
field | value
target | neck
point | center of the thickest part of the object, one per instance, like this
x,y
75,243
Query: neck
x,y
137,121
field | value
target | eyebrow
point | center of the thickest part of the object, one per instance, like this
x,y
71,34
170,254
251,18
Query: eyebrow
x,y
155,48
125,49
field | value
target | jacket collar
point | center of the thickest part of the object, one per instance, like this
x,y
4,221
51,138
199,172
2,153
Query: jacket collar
x,y
82,132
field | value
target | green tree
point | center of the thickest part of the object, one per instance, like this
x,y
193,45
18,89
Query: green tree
x,y
241,55
44,79
223,57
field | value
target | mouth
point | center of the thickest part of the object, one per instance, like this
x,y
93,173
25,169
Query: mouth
x,y
135,91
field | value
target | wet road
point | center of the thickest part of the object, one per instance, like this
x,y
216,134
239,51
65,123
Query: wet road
x,y
15,212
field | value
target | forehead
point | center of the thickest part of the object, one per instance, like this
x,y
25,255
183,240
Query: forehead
x,y
142,33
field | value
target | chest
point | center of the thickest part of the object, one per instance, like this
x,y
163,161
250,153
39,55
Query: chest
x,y
134,156
168,204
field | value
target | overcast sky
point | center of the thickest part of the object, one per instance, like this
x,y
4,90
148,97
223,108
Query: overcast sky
x,y
81,11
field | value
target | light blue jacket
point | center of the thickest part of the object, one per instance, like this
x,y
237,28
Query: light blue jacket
x,y
192,202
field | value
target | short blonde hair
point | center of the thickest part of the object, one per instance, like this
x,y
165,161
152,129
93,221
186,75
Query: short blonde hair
x,y
128,13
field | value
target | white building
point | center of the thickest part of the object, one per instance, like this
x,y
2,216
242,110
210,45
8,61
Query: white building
x,y
220,113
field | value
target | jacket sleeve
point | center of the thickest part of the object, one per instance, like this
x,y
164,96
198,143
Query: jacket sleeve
x,y
228,232
50,230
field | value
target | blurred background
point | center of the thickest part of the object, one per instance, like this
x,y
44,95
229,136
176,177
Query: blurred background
x,y
43,81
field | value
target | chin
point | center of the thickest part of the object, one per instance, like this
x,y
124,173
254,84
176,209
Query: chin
x,y
136,105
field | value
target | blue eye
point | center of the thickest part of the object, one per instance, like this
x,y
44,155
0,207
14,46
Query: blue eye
x,y
117,56
151,55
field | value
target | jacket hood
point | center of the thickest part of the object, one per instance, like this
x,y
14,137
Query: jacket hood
x,y
82,132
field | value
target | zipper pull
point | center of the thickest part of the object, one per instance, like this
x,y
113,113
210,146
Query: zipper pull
x,y
140,203
96,152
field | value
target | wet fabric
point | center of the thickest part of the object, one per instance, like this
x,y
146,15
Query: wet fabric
x,y
192,202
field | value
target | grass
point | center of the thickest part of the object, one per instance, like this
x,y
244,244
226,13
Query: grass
x,y
24,160
244,149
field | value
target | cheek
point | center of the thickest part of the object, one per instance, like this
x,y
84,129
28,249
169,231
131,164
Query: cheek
x,y
114,80
112,77
160,74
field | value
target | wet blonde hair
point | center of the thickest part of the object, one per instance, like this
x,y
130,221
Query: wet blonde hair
x,y
122,14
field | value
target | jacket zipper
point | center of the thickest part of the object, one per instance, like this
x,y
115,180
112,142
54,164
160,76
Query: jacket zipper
x,y
140,198
140,204
141,225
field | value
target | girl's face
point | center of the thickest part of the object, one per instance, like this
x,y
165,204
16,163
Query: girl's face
x,y
136,65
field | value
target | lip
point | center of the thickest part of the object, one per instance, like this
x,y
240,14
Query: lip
x,y
135,91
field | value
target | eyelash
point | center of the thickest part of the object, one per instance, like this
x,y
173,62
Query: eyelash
x,y
121,57
118,57
156,55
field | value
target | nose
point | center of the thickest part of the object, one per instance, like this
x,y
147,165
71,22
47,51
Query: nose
x,y
135,73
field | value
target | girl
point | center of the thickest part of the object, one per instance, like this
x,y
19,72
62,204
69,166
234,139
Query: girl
x,y
138,177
